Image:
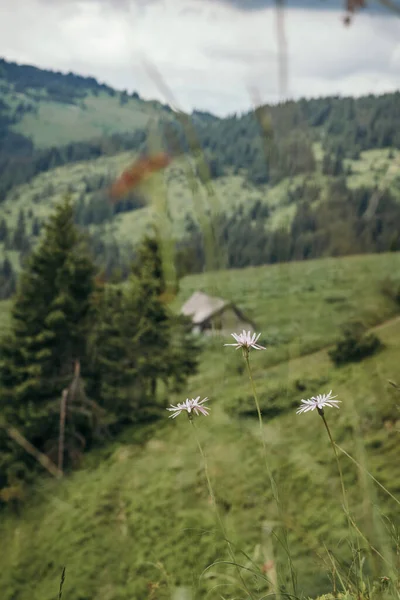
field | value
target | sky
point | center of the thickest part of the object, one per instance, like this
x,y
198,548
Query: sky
x,y
220,56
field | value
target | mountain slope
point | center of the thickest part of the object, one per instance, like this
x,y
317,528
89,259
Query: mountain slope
x,y
53,109
137,515
87,182
287,169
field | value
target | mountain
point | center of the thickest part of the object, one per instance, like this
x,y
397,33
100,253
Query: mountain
x,y
275,184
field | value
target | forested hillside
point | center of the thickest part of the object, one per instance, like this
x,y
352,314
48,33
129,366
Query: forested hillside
x,y
345,126
272,185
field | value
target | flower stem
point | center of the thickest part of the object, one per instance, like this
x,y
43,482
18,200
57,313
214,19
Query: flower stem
x,y
345,503
219,519
350,522
253,387
269,471
203,456
260,422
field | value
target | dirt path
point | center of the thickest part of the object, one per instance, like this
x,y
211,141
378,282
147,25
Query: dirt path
x,y
385,324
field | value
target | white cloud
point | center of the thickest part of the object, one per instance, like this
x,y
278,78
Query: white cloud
x,y
208,53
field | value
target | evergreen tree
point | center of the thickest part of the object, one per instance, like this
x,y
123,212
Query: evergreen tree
x,y
51,318
35,227
126,354
7,268
19,237
3,230
327,166
7,279
182,352
148,264
140,344
167,340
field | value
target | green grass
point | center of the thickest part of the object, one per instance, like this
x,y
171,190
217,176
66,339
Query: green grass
x,y
138,511
57,123
300,306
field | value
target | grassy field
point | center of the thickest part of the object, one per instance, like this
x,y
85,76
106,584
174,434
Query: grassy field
x,y
38,197
57,123
301,306
136,520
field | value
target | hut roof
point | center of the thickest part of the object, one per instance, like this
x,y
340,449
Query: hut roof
x,y
201,307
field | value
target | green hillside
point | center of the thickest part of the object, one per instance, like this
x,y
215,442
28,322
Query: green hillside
x,y
36,199
55,124
53,109
286,176
136,520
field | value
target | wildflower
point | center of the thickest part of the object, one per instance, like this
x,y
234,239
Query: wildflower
x,y
190,405
246,341
318,402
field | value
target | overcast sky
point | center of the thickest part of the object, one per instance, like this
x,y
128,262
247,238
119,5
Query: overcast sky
x,y
210,52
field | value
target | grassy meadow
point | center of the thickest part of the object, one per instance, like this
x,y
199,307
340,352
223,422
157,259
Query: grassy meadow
x,y
93,116
137,521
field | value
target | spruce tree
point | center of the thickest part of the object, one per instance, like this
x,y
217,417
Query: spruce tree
x,y
140,345
148,265
19,236
118,346
7,279
168,338
131,348
3,230
51,318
